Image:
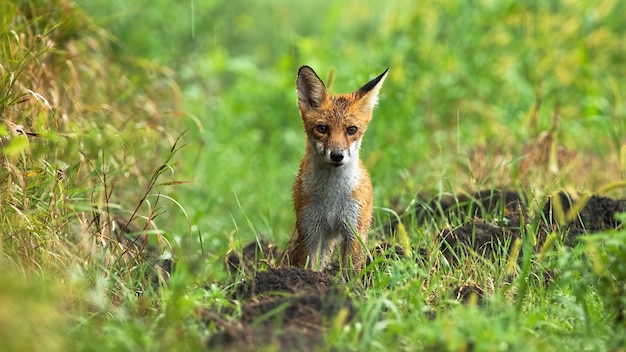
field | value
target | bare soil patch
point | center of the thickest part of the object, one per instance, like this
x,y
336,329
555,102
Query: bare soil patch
x,y
288,308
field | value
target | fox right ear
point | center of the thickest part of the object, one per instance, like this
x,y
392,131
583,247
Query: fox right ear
x,y
369,92
311,89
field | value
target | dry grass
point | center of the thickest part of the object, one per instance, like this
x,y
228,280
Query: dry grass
x,y
75,142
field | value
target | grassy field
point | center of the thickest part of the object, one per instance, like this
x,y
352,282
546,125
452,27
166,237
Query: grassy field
x,y
138,135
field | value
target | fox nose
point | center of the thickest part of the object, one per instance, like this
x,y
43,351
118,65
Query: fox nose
x,y
336,156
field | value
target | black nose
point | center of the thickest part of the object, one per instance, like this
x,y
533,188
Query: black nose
x,y
336,156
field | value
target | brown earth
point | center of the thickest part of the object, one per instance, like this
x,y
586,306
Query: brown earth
x,y
287,308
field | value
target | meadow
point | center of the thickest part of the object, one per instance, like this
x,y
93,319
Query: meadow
x,y
145,143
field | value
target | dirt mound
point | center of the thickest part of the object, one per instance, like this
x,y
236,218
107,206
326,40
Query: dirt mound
x,y
275,281
299,301
597,214
302,320
483,238
488,219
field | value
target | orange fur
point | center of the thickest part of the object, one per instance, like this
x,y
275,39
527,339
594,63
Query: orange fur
x,y
332,193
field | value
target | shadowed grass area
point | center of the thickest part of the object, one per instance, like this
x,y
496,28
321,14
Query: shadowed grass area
x,y
141,143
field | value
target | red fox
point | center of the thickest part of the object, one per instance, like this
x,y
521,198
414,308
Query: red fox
x,y
332,193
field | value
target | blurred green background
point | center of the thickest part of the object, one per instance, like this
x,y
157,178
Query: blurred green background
x,y
463,75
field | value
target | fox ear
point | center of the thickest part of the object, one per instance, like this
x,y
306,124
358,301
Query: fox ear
x,y
369,92
311,89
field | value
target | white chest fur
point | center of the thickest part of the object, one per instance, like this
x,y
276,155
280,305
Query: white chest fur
x,y
332,213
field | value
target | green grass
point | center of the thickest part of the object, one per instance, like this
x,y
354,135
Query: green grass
x,y
192,135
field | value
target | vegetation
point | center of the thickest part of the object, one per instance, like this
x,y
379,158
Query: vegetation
x,y
135,136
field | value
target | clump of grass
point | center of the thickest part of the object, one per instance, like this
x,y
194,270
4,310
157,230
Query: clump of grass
x,y
72,137
82,187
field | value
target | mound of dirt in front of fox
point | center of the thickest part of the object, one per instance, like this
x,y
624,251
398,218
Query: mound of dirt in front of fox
x,y
287,308
281,281
295,322
283,308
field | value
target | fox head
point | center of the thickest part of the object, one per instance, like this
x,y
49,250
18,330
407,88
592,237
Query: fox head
x,y
335,123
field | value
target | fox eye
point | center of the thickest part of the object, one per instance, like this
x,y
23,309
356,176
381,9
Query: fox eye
x,y
322,129
351,130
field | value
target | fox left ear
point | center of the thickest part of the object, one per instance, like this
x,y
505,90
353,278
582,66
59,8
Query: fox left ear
x,y
369,92
311,90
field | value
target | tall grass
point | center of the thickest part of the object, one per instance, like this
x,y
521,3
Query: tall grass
x,y
82,133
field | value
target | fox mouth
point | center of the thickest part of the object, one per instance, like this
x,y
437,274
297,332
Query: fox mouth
x,y
334,163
